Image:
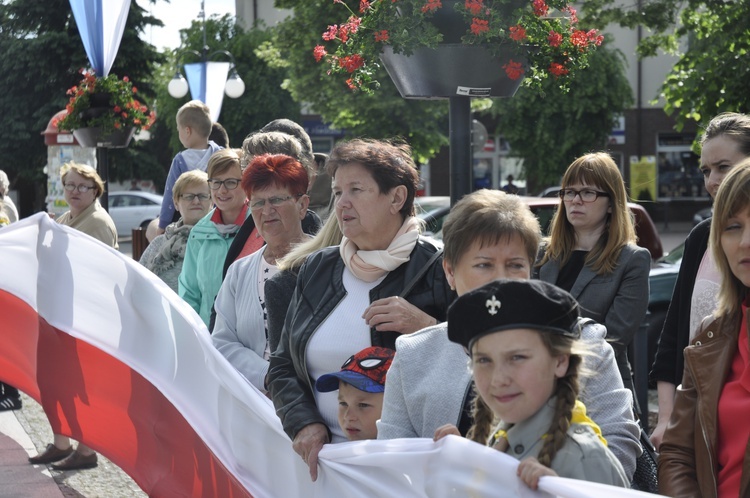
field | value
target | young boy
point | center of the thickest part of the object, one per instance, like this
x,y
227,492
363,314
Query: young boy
x,y
194,127
361,383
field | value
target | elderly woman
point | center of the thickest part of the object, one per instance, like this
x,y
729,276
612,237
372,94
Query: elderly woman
x,y
705,448
490,235
591,252
211,237
83,187
165,254
276,186
10,209
383,280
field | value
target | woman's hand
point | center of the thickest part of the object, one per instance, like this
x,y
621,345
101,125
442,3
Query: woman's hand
x,y
307,444
530,470
445,430
396,314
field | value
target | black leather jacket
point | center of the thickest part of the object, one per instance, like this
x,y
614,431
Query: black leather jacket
x,y
319,290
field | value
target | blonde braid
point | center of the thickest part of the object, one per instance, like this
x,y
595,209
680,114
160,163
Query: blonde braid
x,y
567,393
483,419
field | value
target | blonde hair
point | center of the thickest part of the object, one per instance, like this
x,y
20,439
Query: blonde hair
x,y
197,116
328,235
188,178
487,216
85,171
600,171
566,392
732,198
222,161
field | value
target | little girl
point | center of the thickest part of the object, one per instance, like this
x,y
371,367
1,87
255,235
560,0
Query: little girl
x,y
520,336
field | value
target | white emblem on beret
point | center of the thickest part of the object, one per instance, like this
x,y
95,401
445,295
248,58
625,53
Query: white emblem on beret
x,y
493,305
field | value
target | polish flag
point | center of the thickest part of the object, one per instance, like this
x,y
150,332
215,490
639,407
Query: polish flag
x,y
121,363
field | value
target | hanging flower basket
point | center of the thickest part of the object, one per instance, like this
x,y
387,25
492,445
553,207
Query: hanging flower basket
x,y
94,137
520,40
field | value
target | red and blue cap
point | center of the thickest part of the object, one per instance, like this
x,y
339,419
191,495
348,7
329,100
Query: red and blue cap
x,y
365,370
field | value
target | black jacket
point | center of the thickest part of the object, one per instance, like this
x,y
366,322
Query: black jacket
x,y
669,362
318,291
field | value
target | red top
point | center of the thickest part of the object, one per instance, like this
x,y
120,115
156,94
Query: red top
x,y
252,244
733,409
216,217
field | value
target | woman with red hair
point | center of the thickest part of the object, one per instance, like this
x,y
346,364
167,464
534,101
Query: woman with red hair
x,y
276,187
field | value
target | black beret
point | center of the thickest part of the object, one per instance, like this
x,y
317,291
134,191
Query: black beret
x,y
512,304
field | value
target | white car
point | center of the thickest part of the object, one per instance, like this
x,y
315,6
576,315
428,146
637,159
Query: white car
x,y
133,209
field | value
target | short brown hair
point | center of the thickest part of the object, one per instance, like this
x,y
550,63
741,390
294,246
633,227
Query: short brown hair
x,y
487,216
389,163
197,116
221,161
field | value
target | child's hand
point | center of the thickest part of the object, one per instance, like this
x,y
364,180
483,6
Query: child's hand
x,y
445,430
530,470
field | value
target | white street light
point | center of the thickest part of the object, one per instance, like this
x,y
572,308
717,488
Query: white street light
x,y
235,87
178,87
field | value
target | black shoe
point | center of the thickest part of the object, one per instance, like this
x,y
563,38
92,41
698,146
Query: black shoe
x,y
9,403
77,461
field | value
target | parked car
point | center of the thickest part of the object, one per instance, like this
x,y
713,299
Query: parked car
x,y
703,214
433,210
133,209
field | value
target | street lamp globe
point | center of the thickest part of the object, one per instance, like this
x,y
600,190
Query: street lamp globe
x,y
178,87
235,87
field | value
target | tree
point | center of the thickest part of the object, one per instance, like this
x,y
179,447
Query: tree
x,y
264,99
710,76
424,124
42,52
549,131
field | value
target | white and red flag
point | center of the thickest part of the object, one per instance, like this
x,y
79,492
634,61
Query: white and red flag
x,y
121,363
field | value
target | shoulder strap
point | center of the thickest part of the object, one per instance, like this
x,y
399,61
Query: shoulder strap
x,y
408,287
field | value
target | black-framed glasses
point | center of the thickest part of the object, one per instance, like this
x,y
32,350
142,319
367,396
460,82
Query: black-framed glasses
x,y
586,194
70,187
273,201
192,197
229,183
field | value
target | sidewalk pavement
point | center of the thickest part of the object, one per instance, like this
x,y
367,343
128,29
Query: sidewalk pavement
x,y
26,431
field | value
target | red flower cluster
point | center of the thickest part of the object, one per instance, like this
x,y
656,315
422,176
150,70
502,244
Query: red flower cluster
x,y
431,5
319,52
352,62
540,8
557,69
381,36
479,26
364,5
555,39
595,37
474,6
579,38
513,69
517,33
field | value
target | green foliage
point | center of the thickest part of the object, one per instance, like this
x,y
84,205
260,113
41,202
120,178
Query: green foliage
x,y
549,132
119,107
711,74
423,124
264,99
42,53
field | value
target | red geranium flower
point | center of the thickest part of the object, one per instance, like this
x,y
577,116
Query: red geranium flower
x,y
540,8
319,52
517,33
579,38
479,26
331,33
474,6
431,5
555,39
352,62
557,69
381,36
513,69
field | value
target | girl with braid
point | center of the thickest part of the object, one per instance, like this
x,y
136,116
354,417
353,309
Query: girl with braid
x,y
522,338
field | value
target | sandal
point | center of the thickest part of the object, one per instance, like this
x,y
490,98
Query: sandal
x,y
9,403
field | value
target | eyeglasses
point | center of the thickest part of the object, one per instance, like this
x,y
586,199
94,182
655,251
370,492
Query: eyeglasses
x,y
273,201
586,195
192,197
229,183
70,187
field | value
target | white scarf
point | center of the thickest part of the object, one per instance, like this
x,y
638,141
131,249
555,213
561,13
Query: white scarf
x,y
371,265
